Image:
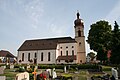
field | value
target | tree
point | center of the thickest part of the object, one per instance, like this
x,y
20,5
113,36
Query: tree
x,y
91,55
99,38
115,47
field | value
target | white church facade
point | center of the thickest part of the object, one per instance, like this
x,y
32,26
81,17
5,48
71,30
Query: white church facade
x,y
62,50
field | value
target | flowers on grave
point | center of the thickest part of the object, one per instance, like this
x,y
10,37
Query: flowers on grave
x,y
29,70
42,76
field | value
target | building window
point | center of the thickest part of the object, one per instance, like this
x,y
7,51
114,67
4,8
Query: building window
x,y
28,56
72,52
72,46
22,56
79,43
80,61
79,33
35,55
48,56
42,56
61,53
66,46
66,53
58,60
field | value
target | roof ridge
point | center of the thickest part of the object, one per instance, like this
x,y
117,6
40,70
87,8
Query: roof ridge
x,y
50,38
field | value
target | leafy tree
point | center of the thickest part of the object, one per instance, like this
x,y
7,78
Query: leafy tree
x,y
99,38
115,47
92,55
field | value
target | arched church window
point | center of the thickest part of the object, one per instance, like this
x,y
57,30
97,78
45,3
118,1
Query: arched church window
x,y
72,52
35,55
28,56
79,33
42,56
66,53
48,56
72,46
22,56
61,53
79,43
80,61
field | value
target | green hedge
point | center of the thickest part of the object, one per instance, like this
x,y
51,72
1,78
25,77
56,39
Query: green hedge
x,y
50,66
106,68
74,66
61,66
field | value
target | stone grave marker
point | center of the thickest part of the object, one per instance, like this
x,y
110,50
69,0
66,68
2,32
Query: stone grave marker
x,y
119,71
115,73
28,66
54,73
2,70
65,69
2,77
22,76
4,67
36,67
11,66
49,71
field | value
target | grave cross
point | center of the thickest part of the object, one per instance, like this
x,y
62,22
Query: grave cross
x,y
34,73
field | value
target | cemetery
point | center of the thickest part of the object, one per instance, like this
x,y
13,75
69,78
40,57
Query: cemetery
x,y
58,72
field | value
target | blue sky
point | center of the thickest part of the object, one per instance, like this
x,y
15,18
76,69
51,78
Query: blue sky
x,y
22,20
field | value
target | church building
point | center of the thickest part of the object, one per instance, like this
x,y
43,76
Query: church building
x,y
61,50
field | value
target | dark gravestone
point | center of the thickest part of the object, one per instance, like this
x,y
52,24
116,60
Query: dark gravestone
x,y
2,70
119,72
100,68
38,77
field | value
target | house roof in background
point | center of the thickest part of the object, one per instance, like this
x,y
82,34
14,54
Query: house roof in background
x,y
4,53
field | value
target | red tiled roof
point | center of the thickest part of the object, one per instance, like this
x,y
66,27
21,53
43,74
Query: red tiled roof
x,y
67,57
4,53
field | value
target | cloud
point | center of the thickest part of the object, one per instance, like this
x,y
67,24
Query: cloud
x,y
26,10
34,10
56,30
114,13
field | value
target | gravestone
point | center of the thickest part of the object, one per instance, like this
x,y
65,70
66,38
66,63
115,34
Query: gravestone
x,y
36,67
2,77
49,71
22,76
115,73
65,69
4,67
54,73
28,66
2,70
119,71
11,66
100,68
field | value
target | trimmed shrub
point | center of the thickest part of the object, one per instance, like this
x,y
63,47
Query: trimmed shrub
x,y
74,66
17,66
20,69
7,66
30,70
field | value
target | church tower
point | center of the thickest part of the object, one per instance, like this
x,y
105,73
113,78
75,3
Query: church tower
x,y
80,39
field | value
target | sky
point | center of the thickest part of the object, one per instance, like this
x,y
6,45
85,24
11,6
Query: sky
x,y
22,20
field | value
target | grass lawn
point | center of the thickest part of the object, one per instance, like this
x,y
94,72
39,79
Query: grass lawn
x,y
82,75
10,74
